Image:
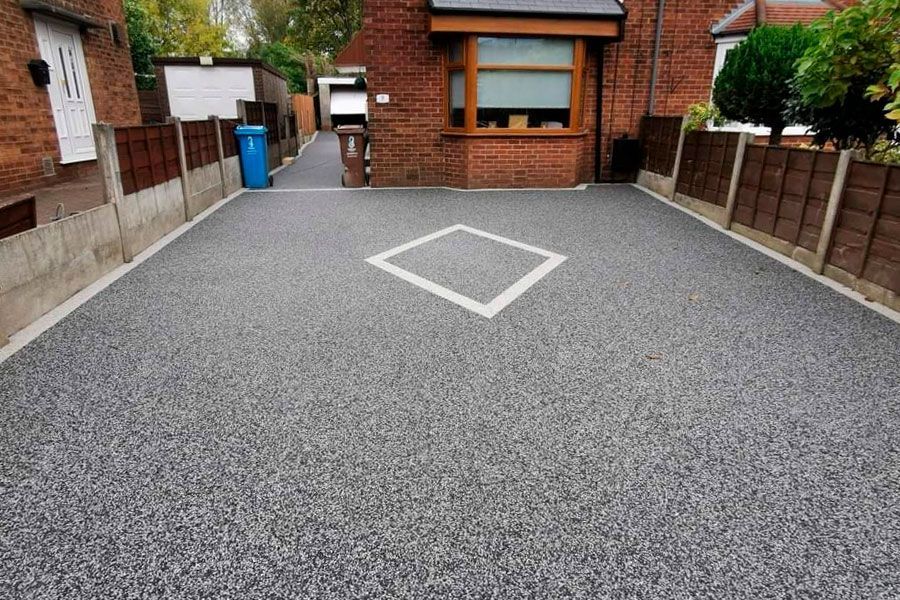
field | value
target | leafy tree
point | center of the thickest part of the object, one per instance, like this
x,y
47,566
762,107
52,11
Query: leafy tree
x,y
233,15
754,85
839,75
889,88
289,34
855,122
184,27
286,60
143,45
326,26
271,21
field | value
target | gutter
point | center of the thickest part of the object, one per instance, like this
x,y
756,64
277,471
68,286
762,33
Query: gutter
x,y
598,136
654,67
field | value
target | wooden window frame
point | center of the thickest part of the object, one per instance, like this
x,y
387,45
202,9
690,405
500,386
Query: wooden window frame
x,y
471,67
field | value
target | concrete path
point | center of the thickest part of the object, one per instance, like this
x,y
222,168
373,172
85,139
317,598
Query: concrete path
x,y
258,412
319,167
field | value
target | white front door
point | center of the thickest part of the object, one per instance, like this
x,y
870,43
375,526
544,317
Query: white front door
x,y
70,93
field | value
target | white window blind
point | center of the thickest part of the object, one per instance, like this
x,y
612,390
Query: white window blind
x,y
524,89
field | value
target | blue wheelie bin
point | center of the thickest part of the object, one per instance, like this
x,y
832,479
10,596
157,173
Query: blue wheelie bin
x,y
254,161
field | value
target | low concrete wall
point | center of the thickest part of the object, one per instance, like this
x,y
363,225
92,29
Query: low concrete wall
x,y
148,215
206,188
43,267
871,291
662,185
233,180
713,212
798,253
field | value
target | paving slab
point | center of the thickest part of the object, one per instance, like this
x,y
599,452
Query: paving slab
x,y
256,412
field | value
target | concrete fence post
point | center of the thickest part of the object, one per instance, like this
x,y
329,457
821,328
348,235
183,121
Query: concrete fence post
x,y
110,175
743,140
242,111
325,105
831,211
108,162
182,161
221,149
677,168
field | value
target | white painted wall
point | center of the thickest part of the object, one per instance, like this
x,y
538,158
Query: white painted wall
x,y
195,91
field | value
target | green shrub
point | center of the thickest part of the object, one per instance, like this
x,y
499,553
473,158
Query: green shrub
x,y
754,85
701,114
848,79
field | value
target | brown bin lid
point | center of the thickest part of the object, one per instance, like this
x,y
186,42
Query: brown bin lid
x,y
350,129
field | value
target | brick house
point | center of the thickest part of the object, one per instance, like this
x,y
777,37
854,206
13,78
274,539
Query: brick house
x,y
46,128
505,93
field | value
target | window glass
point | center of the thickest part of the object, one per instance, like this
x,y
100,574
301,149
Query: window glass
x,y
457,98
456,51
525,51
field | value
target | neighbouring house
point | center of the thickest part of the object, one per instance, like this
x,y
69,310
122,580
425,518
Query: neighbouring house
x,y
352,59
342,100
48,107
524,93
193,88
734,27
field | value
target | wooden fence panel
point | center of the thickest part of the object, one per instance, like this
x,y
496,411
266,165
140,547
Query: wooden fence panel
x,y
866,241
18,216
148,156
784,192
151,108
305,110
707,160
265,113
229,143
254,113
200,145
273,123
659,142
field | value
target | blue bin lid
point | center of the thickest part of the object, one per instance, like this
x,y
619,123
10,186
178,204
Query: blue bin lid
x,y
250,130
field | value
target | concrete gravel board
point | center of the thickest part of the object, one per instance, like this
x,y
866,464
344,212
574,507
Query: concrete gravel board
x,y
256,412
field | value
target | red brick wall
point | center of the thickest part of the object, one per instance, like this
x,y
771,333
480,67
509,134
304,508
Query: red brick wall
x,y
407,145
519,162
27,132
687,54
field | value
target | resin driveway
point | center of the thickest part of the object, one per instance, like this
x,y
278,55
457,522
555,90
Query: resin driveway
x,y
652,410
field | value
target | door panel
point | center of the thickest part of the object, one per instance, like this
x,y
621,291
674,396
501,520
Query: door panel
x,y
69,89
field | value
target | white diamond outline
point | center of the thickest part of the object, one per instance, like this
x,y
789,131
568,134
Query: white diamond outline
x,y
492,308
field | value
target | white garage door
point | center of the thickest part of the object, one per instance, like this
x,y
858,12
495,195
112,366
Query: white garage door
x,y
348,101
196,92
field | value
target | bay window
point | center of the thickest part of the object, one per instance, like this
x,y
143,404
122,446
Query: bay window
x,y
508,85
